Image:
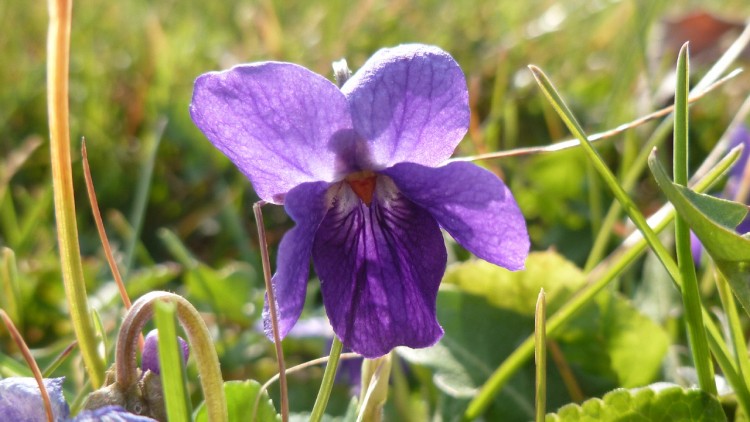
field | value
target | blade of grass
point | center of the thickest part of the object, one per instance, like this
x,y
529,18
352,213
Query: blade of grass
x,y
691,298
141,193
11,290
59,360
173,378
58,54
100,226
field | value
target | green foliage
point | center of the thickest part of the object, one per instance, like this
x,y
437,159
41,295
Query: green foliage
x,y
486,311
649,404
713,220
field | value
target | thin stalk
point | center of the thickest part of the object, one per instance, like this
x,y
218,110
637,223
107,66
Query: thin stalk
x,y
597,280
324,393
100,226
540,356
691,298
58,56
18,339
272,309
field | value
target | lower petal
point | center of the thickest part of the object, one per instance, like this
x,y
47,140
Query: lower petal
x,y
306,205
380,267
471,204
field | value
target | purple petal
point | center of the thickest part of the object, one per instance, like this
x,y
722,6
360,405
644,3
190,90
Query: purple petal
x,y
740,136
471,204
410,103
380,267
21,400
150,360
306,205
110,414
279,123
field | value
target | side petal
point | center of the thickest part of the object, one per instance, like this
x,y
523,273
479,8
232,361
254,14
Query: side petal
x,y
471,204
380,267
410,103
306,204
21,400
279,123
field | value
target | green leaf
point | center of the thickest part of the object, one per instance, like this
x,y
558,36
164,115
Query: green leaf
x,y
241,397
714,221
654,403
517,290
486,311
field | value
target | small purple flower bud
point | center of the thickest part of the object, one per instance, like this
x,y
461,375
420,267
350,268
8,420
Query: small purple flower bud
x,y
150,360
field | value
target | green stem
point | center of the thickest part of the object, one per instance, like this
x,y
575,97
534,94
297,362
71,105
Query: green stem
x,y
691,298
540,356
328,376
58,56
201,345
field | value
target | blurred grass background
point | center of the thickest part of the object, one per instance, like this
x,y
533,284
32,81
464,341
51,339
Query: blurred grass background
x,y
132,68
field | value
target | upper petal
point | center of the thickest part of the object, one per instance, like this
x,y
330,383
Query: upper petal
x,y
307,207
471,204
380,267
410,103
279,123
21,400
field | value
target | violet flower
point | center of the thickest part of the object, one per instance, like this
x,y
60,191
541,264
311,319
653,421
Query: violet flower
x,y
150,359
21,401
363,172
740,136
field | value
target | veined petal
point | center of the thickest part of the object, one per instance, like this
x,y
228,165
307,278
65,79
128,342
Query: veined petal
x,y
279,123
410,103
21,400
306,204
471,204
380,267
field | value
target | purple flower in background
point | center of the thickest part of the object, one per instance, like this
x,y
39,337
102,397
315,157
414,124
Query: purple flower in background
x,y
21,401
362,171
740,136
150,360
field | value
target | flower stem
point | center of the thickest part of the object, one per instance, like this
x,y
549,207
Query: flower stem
x,y
690,293
328,376
540,356
200,344
272,309
58,56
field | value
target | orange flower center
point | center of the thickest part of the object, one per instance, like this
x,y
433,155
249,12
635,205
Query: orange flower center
x,y
363,184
